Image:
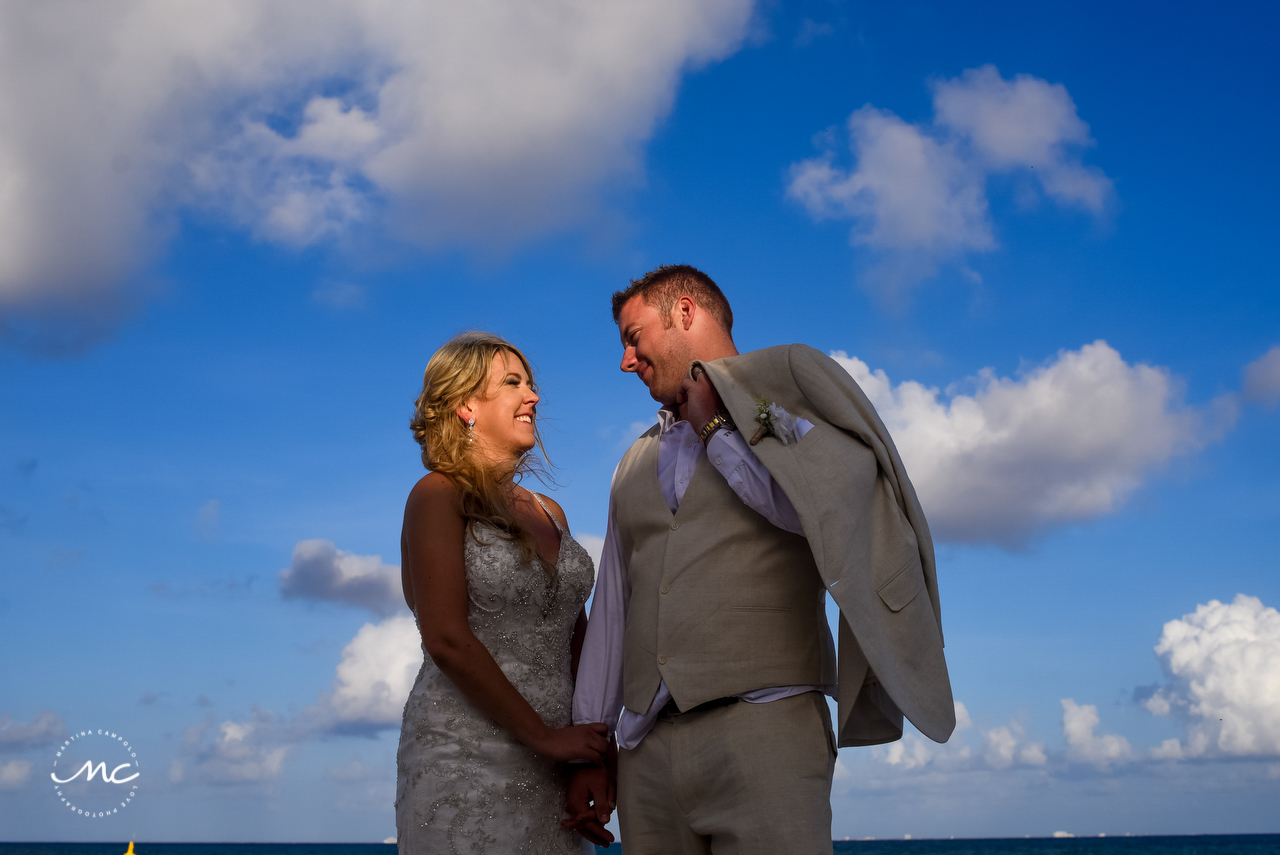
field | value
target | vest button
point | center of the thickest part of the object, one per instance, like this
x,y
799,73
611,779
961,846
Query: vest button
x,y
663,589
662,660
675,526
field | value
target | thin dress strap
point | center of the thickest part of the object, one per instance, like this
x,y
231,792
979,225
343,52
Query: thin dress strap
x,y
559,527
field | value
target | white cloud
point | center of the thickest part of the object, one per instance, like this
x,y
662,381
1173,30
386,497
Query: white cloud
x,y
999,745
909,752
378,666
1083,745
1066,441
1024,123
1033,755
1262,378
1008,744
231,752
912,753
45,728
488,122
594,544
1170,749
963,721
1223,662
321,571
14,774
1002,747
909,191
918,194
372,682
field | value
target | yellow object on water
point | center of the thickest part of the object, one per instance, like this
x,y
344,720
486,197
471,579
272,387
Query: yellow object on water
x,y
129,851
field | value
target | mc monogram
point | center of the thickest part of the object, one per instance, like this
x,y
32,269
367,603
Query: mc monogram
x,y
100,768
90,791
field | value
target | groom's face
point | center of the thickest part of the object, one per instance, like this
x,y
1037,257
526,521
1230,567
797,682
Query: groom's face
x,y
654,348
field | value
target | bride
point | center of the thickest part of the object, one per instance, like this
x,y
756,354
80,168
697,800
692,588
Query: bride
x,y
497,585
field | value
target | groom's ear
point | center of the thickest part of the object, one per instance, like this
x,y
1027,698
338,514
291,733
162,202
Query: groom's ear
x,y
684,312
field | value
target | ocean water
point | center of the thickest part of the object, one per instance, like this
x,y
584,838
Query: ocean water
x,y
1225,844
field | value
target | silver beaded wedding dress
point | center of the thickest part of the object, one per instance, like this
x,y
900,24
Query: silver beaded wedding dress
x,y
463,784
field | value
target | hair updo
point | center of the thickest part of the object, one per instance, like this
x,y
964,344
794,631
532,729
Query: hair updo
x,y
456,373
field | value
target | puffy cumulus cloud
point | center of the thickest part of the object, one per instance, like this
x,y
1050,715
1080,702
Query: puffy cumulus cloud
x,y
45,728
1083,745
1170,749
1066,441
378,666
918,194
970,751
909,191
1000,748
1023,123
1223,662
913,753
321,571
372,682
489,123
909,752
14,774
1262,378
1007,745
230,752
999,745
1033,754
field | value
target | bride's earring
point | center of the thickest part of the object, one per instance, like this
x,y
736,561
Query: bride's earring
x,y
471,423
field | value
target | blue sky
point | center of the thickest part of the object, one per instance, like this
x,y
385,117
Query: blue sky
x,y
1040,236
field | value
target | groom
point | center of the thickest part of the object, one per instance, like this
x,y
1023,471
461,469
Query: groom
x,y
708,630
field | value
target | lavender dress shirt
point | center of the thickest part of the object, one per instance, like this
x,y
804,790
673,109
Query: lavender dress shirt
x,y
598,696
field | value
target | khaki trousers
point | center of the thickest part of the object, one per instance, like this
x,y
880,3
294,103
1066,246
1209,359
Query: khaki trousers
x,y
742,779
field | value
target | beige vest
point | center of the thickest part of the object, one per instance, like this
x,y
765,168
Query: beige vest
x,y
721,600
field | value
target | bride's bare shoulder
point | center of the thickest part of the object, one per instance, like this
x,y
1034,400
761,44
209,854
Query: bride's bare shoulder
x,y
434,493
554,507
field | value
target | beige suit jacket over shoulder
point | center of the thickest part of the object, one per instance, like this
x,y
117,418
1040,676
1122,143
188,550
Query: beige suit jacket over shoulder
x,y
867,533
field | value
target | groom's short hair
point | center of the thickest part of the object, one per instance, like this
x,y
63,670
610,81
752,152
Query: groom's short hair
x,y
666,283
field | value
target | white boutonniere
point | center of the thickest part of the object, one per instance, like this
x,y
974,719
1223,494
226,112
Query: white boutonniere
x,y
774,421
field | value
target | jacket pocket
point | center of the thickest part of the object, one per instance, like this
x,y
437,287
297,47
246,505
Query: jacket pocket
x,y
903,586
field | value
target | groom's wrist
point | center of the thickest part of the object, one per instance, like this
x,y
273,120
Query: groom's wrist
x,y
720,421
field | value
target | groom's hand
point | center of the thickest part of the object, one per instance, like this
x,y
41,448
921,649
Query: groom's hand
x,y
698,401
589,803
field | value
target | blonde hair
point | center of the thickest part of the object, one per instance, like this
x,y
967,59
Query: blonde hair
x,y
456,373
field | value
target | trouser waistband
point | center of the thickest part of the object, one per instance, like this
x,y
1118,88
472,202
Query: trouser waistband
x,y
670,710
